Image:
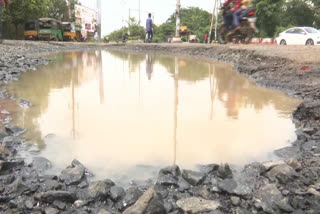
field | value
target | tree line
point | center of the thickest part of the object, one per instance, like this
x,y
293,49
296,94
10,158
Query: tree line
x,y
273,16
20,11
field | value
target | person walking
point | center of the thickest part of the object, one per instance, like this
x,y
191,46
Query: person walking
x,y
6,5
206,38
149,28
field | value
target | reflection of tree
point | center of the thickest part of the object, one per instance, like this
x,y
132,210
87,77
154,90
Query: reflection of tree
x,y
35,86
134,59
233,90
238,92
189,70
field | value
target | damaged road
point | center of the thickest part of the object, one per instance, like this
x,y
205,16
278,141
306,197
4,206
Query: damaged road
x,y
291,185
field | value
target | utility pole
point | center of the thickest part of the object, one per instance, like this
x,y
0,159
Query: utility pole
x,y
211,26
139,13
216,24
129,22
99,8
214,14
69,10
178,19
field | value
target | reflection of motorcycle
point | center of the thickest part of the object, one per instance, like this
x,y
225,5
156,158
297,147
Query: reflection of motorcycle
x,y
242,35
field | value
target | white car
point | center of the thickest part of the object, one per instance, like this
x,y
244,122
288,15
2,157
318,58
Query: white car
x,y
299,36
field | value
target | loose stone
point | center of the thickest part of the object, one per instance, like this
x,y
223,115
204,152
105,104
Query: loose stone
x,y
197,205
193,177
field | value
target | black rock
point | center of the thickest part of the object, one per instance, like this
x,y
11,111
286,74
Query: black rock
x,y
43,177
209,169
132,195
18,187
51,185
227,185
72,175
76,163
41,164
51,210
14,130
84,183
117,193
193,177
100,190
149,203
183,184
169,176
283,173
271,200
167,180
51,196
162,190
173,170
234,187
60,205
224,171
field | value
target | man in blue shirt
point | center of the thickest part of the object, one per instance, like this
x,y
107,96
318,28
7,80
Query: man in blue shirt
x,y
149,28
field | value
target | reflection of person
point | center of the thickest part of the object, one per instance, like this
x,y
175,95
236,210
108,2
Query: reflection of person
x,y
149,28
6,5
96,37
149,66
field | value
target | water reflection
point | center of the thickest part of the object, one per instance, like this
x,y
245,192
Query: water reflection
x,y
182,111
176,102
149,66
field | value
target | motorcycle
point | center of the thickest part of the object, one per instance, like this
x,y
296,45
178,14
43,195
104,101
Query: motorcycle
x,y
242,35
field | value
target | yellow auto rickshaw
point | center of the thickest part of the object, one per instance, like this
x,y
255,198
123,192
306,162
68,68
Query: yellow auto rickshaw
x,y
71,31
31,30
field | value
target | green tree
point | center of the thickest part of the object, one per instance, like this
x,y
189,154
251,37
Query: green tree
x,y
196,19
136,31
163,31
297,13
22,10
315,5
118,34
268,15
58,9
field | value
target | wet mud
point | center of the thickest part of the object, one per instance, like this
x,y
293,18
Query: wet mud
x,y
290,185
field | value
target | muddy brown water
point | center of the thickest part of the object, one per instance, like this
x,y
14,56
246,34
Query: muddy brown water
x,y
125,115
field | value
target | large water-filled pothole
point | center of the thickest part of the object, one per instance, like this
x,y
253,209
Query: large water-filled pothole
x,y
124,115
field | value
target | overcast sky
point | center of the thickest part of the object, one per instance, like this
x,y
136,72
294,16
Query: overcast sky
x,y
116,12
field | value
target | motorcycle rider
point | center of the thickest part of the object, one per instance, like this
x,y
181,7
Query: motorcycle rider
x,y
247,6
230,17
